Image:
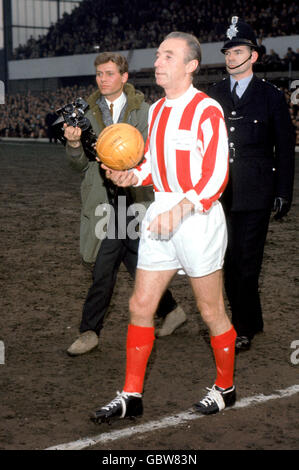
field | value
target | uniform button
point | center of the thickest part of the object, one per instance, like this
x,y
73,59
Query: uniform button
x,y
255,121
231,160
232,129
234,113
231,144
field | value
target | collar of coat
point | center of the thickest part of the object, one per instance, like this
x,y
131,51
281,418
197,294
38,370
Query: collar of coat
x,y
134,100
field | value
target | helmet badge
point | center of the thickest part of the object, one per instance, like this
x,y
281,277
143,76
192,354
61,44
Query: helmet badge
x,y
232,30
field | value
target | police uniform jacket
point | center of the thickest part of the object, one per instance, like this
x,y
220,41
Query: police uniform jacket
x,y
261,142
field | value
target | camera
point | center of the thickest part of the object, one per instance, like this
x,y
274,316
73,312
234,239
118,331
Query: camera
x,y
73,115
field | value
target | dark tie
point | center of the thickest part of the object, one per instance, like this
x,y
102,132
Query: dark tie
x,y
234,94
111,110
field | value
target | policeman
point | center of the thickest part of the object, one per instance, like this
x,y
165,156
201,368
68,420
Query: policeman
x,y
262,149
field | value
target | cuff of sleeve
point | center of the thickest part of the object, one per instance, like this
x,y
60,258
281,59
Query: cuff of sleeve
x,y
74,152
137,173
193,197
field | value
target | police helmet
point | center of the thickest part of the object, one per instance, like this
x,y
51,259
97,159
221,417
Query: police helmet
x,y
239,33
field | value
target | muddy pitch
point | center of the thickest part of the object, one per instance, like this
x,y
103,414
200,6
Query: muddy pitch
x,y
46,396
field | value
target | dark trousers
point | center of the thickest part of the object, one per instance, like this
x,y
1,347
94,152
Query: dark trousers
x,y
247,233
111,253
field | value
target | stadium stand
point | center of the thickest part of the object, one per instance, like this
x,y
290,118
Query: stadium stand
x,y
26,115
135,24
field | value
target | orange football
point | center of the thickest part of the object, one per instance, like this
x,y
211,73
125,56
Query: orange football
x,y
120,146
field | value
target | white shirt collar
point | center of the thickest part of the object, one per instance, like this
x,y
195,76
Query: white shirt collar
x,y
118,105
181,99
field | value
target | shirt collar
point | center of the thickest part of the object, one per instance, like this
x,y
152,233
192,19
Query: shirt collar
x,y
119,102
181,99
242,84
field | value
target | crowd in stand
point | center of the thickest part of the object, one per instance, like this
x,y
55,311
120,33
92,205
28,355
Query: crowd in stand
x,y
137,24
28,115
25,115
271,61
133,24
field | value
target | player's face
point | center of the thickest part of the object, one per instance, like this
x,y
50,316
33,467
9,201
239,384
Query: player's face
x,y
172,71
236,63
110,81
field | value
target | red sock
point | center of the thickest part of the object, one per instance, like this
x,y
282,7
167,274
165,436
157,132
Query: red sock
x,y
140,342
224,353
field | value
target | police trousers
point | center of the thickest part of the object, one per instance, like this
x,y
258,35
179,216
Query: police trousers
x,y
247,233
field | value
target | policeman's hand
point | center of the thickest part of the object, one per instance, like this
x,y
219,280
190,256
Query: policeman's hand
x,y
72,135
120,178
281,207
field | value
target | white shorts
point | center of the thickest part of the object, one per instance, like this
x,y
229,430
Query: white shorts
x,y
197,247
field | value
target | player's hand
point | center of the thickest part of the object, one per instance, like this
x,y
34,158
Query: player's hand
x,y
72,135
120,178
162,226
165,224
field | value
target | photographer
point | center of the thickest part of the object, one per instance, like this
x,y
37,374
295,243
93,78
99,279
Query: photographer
x,y
114,101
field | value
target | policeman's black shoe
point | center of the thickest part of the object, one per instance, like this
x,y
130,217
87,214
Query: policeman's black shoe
x,y
124,405
243,343
216,400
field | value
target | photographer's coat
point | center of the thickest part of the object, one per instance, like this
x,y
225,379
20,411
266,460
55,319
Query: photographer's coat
x,y
94,189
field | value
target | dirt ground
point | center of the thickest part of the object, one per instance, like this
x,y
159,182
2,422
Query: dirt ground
x,y
46,396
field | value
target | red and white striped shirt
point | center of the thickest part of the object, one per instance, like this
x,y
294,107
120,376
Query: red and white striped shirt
x,y
187,149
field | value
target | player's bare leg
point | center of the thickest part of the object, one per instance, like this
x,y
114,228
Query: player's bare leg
x,y
208,292
148,290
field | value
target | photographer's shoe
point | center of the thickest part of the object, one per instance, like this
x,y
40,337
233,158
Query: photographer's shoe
x,y
86,342
243,343
124,405
216,400
172,321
